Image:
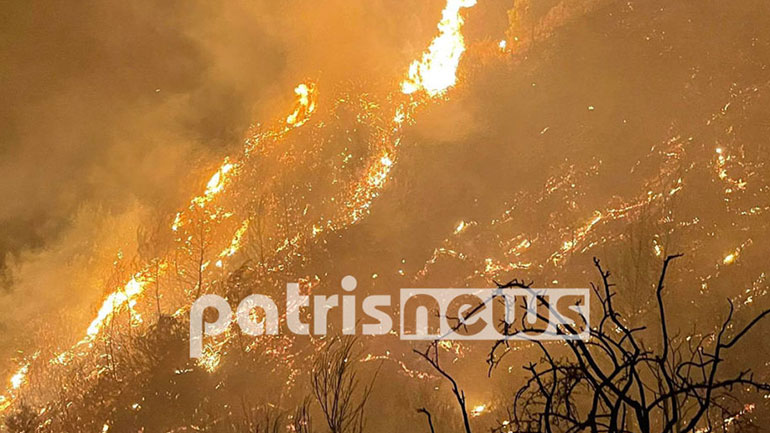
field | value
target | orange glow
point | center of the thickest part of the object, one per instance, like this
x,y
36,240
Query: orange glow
x,y
304,107
214,185
437,69
516,177
18,379
478,410
114,301
235,243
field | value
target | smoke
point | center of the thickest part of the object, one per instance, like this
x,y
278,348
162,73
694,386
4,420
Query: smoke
x,y
113,111
105,101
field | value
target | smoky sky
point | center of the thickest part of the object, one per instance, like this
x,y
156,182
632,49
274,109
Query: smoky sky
x,y
113,113
110,102
104,102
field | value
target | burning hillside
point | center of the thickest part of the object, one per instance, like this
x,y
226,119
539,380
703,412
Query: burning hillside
x,y
504,140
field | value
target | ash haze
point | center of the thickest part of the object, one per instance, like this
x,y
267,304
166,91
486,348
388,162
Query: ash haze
x,y
620,130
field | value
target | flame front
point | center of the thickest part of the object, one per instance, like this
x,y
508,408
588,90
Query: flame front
x,y
114,301
214,185
434,73
437,69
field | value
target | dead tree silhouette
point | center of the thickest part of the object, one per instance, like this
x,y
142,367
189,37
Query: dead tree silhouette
x,y
337,388
431,354
615,382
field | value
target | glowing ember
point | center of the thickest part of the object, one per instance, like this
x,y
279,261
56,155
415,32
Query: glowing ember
x,y
478,410
177,222
460,227
18,379
437,70
210,359
657,249
215,183
235,244
367,191
747,408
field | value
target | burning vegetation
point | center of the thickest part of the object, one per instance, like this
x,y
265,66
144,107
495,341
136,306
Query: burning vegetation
x,y
520,140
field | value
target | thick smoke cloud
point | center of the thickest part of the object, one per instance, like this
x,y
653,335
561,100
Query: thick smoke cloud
x,y
114,111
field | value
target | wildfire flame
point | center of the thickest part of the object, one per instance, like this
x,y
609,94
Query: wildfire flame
x,y
114,301
437,69
235,243
434,73
215,184
18,379
127,294
304,107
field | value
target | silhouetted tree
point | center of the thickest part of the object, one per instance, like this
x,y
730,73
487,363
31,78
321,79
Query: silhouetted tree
x,y
616,382
337,388
431,354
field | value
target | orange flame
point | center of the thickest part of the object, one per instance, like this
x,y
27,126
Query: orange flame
x,y
305,105
216,184
436,71
115,300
